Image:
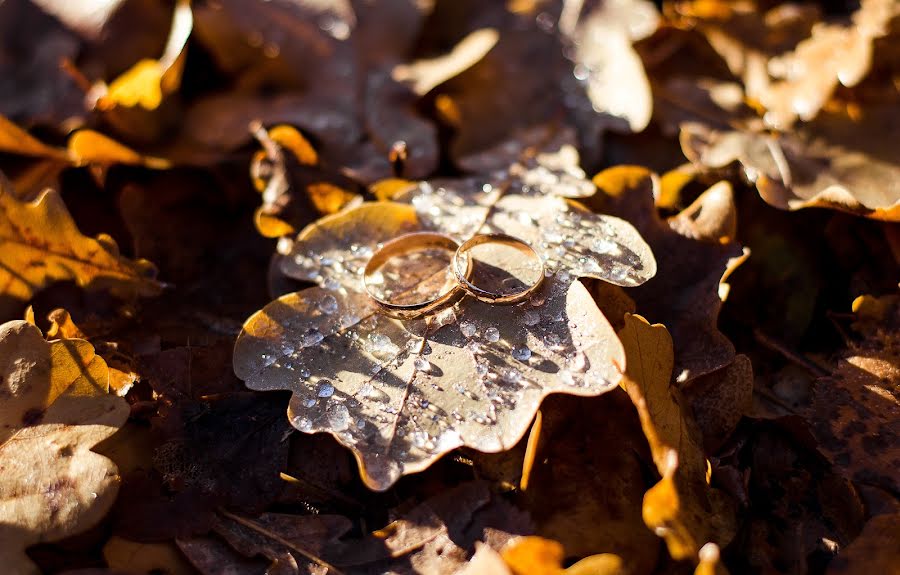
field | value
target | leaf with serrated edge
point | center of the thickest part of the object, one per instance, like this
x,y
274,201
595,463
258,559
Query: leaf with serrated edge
x,y
402,393
52,485
40,244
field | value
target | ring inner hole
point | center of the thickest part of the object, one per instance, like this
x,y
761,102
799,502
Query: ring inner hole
x,y
501,268
413,277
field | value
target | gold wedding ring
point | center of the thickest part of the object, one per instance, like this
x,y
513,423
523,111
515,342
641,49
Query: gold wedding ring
x,y
463,273
407,243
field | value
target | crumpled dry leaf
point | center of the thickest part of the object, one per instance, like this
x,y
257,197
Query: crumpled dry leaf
x,y
292,187
436,536
401,394
682,508
57,407
700,254
40,244
832,56
601,36
835,162
423,75
854,411
130,101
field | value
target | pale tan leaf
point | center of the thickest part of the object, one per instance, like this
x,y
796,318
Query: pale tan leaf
x,y
52,485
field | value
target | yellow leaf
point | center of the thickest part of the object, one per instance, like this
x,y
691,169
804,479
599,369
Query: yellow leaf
x,y
534,556
328,198
15,140
289,138
148,82
40,244
90,147
681,508
56,408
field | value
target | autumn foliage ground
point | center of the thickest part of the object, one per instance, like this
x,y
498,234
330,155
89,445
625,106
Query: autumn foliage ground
x,y
193,379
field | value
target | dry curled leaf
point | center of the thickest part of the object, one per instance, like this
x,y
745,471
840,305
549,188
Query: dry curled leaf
x,y
682,508
292,186
835,162
435,536
40,244
424,75
601,35
56,408
402,393
129,100
833,56
699,255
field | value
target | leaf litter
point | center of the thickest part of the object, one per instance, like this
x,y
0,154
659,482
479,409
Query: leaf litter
x,y
753,430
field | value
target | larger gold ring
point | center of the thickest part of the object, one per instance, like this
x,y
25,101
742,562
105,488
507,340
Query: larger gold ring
x,y
462,274
411,242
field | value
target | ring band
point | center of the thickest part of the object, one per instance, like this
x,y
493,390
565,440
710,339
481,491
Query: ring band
x,y
483,294
414,241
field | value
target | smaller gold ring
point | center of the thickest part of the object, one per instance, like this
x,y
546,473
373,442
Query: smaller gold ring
x,y
486,295
411,242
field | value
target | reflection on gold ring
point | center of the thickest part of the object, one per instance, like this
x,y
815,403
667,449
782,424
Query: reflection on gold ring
x,y
462,275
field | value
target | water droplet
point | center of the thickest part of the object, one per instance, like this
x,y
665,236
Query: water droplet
x,y
325,389
481,368
474,347
605,246
304,373
467,328
331,284
521,353
552,341
512,376
381,345
339,417
303,423
537,300
267,359
371,392
492,334
312,337
287,348
422,364
577,361
564,277
328,304
360,423
531,318
309,402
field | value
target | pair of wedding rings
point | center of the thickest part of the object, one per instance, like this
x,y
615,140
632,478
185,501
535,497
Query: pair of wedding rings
x,y
461,265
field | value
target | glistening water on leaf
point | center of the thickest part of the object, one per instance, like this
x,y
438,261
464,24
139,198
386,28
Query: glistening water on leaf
x,y
402,393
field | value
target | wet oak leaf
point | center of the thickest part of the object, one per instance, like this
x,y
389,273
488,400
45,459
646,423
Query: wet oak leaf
x,y
402,393
56,408
699,255
40,244
682,508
